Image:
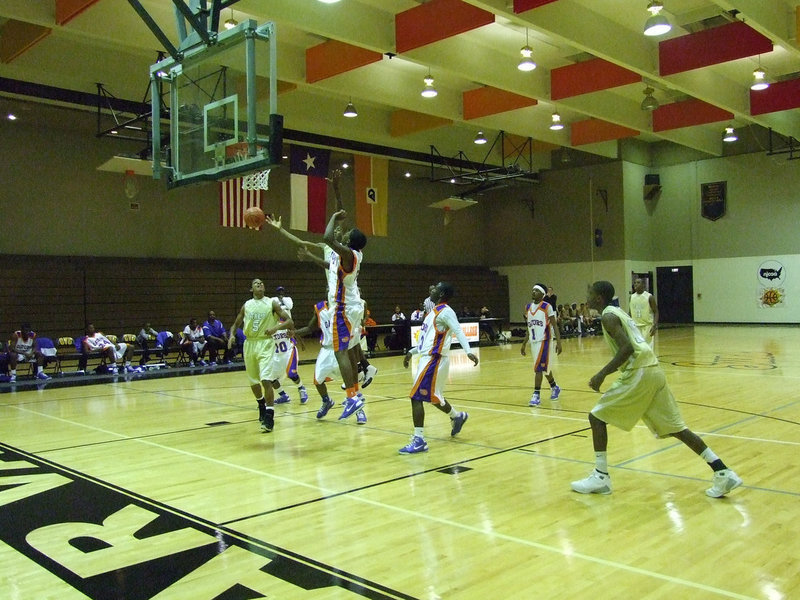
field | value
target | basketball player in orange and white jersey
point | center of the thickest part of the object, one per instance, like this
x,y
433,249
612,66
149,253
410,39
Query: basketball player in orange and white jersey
x,y
344,302
438,329
541,320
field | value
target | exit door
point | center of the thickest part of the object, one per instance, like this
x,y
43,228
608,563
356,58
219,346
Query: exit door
x,y
675,294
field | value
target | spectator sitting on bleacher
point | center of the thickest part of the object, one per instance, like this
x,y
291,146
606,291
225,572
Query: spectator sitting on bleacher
x,y
95,341
193,342
402,331
216,338
23,348
143,339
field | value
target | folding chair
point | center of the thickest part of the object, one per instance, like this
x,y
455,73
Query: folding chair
x,y
50,353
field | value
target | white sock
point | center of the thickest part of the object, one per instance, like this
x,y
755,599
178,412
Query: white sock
x,y
127,363
38,369
418,432
453,412
708,455
13,372
601,461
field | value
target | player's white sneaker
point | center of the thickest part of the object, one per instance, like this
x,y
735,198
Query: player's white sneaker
x,y
595,483
723,482
535,400
369,375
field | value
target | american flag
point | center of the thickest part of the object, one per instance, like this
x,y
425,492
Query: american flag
x,y
233,201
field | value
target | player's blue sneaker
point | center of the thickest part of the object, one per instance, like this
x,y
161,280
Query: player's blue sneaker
x,y
361,416
417,444
283,398
303,394
534,400
326,406
555,392
458,422
351,405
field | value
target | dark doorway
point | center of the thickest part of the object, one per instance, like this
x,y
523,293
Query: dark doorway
x,y
675,294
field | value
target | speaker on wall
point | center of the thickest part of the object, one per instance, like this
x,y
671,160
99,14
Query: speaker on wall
x,y
652,187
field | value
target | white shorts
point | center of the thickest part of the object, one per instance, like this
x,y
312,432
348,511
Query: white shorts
x,y
327,366
432,374
119,351
284,363
346,325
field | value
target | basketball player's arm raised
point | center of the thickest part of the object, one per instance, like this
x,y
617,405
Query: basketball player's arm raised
x,y
334,179
304,254
276,224
613,326
237,322
345,253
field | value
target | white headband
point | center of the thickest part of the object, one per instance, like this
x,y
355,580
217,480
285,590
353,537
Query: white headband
x,y
540,288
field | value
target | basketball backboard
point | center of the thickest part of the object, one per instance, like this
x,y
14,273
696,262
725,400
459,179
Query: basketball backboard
x,y
219,97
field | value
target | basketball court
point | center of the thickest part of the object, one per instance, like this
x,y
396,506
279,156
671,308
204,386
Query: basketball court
x,y
166,488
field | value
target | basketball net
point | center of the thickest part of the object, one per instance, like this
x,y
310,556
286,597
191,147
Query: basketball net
x,y
256,181
447,216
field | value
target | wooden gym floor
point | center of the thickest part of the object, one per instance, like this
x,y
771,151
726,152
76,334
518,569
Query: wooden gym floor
x,y
165,488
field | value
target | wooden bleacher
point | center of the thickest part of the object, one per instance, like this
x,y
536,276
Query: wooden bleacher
x,y
59,295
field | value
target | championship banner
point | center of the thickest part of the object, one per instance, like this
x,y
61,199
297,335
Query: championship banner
x,y
712,199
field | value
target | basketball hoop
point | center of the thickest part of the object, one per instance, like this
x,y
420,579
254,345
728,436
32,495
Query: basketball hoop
x,y
256,181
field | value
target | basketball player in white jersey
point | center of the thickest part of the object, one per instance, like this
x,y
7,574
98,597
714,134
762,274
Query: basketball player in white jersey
x,y
286,355
644,311
640,392
344,302
435,338
326,366
540,316
23,348
261,317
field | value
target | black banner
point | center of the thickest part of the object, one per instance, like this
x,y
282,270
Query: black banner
x,y
712,199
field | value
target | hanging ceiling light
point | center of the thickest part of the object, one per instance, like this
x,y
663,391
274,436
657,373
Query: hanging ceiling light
x,y
729,135
526,62
649,102
428,91
480,138
556,124
656,24
759,78
350,110
329,1
231,22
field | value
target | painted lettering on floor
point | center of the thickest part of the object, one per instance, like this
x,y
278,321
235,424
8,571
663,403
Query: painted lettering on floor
x,y
105,543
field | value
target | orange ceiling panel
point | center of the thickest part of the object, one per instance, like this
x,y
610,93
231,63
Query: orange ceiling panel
x,y
406,122
66,10
523,5
16,37
588,76
489,100
333,58
436,20
596,130
710,47
686,114
783,95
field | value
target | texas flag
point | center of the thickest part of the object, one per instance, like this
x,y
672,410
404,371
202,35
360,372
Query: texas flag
x,y
308,168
